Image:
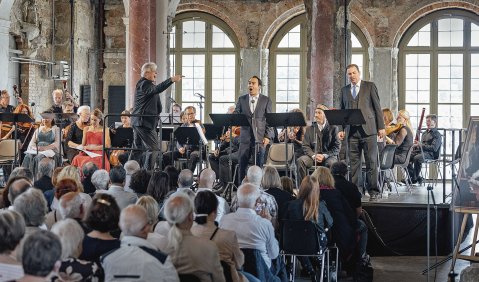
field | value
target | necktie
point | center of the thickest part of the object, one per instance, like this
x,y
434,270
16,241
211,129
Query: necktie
x,y
252,104
354,92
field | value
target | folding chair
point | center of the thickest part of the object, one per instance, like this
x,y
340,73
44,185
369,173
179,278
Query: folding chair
x,y
386,167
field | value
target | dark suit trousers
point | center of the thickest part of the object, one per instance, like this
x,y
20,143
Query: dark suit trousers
x,y
245,151
359,142
145,139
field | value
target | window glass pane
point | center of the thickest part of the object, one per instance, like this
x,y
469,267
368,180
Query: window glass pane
x,y
415,111
172,72
223,78
172,37
292,38
474,34
220,108
194,34
450,116
287,78
358,59
475,79
221,39
193,69
422,37
417,78
450,32
355,43
283,108
449,81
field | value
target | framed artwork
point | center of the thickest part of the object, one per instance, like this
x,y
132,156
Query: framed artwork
x,y
468,175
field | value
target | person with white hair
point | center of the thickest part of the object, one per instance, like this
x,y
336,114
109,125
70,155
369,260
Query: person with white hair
x,y
44,175
130,167
266,201
100,179
137,257
12,229
73,206
147,102
74,132
185,179
190,254
253,231
205,183
72,269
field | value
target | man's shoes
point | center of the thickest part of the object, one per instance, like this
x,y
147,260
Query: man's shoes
x,y
420,180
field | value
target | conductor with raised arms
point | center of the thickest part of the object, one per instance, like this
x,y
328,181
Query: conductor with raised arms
x,y
147,102
254,106
363,95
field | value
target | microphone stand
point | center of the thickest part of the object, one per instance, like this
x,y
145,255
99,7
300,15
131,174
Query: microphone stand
x,y
255,134
200,104
315,127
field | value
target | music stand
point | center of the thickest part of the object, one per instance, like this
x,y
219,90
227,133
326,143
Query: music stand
x,y
14,117
230,120
61,117
189,136
213,131
345,118
285,120
123,137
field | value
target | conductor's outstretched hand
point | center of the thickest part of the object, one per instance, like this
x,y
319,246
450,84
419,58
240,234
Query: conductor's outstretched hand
x,y
177,77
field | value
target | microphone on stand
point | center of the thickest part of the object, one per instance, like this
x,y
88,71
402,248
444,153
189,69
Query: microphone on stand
x,y
172,100
199,95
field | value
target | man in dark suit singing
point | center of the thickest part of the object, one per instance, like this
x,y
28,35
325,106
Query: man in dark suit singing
x,y
147,102
254,106
363,95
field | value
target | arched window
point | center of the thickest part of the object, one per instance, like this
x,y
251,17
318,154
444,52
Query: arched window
x,y
204,50
439,67
359,51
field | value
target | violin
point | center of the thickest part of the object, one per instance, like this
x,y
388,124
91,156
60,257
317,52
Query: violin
x,y
393,128
226,136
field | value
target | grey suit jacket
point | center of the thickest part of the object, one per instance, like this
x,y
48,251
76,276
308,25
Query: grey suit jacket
x,y
263,106
368,104
328,141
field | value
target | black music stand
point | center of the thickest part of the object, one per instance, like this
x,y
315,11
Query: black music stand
x,y
285,120
14,117
213,131
230,120
123,137
61,117
345,118
189,136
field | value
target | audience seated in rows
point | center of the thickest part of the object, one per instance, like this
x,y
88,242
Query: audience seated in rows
x,y
159,187
72,206
87,170
206,181
136,257
117,180
16,185
271,184
173,174
44,175
185,179
100,180
21,171
12,229
151,206
139,182
288,185
131,167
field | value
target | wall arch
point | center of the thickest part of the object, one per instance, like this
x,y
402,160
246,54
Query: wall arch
x,y
279,23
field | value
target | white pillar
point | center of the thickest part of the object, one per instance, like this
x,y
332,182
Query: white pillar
x,y
162,49
4,55
128,102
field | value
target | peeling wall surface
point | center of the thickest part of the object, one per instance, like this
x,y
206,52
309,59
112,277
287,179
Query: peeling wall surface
x,y
42,31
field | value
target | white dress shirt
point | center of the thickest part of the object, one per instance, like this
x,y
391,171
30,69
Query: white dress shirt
x,y
253,232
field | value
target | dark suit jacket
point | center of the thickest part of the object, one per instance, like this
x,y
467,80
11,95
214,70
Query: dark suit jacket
x,y
147,102
328,142
368,104
263,106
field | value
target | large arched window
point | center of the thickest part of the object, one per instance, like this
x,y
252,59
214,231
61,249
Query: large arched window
x,y
288,60
204,50
439,67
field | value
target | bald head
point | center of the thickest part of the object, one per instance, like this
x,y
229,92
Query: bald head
x,y
131,167
134,221
207,178
247,195
254,175
17,186
185,178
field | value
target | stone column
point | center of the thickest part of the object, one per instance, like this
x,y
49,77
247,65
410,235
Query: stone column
x,y
381,63
250,65
128,97
141,41
4,55
162,49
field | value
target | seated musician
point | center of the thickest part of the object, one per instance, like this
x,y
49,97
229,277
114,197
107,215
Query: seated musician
x,y
428,149
92,141
401,135
57,106
5,106
188,151
326,143
45,138
23,128
74,133
295,135
117,155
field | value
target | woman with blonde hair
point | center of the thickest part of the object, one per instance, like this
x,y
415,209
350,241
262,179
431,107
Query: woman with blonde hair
x,y
152,213
403,137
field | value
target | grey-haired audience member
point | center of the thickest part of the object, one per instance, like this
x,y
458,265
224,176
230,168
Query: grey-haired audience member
x,y
41,255
21,171
185,179
131,167
117,180
12,229
44,174
15,186
100,179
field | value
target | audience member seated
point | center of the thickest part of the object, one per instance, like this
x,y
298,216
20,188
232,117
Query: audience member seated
x,y
159,187
44,175
87,170
102,218
185,179
72,269
72,206
12,229
351,193
15,186
254,176
252,230
131,167
100,180
345,220
308,206
33,207
74,134
92,141
21,171
117,180
73,173
173,174
206,205
271,184
139,182
151,206
45,141
41,256
288,185
190,254
205,183
137,258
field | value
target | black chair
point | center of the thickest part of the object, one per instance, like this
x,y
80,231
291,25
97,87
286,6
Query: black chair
x,y
386,167
255,265
403,168
188,278
303,238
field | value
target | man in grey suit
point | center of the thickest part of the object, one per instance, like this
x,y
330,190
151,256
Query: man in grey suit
x,y
254,106
363,95
147,102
